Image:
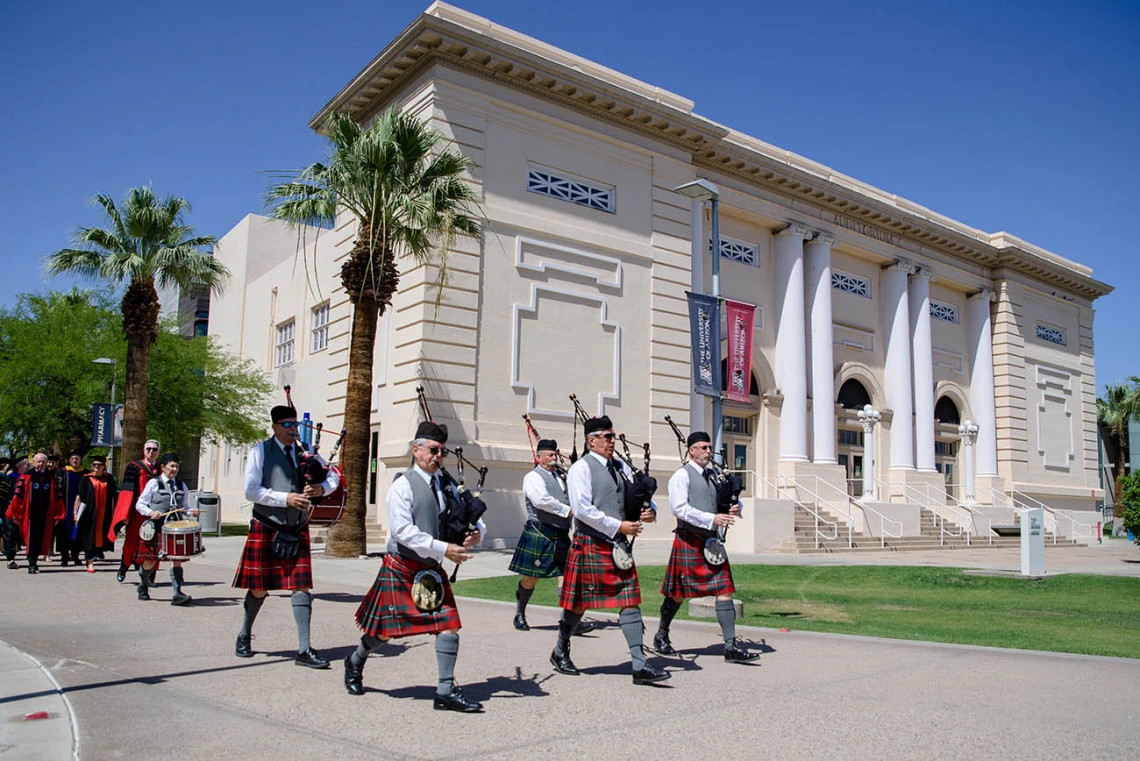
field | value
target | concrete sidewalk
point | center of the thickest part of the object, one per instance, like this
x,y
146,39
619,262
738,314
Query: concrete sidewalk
x,y
148,680
36,722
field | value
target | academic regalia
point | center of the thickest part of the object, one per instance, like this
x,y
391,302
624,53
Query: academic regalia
x,y
135,476
69,479
97,500
36,507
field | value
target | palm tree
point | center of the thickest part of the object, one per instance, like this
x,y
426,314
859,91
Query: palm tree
x,y
145,242
1120,403
409,198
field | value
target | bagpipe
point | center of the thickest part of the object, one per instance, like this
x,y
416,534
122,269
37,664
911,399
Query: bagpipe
x,y
311,470
727,487
561,462
465,508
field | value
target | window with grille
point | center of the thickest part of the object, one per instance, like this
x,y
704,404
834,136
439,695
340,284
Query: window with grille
x,y
944,312
946,448
850,438
566,187
738,250
320,328
860,286
1051,334
284,353
738,425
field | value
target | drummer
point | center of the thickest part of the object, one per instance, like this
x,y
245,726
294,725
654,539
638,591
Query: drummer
x,y
163,498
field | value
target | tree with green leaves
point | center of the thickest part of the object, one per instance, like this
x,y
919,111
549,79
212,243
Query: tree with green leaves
x,y
146,242
408,195
1120,403
1130,498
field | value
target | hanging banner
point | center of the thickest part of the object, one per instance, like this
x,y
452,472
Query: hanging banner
x,y
739,320
107,425
704,329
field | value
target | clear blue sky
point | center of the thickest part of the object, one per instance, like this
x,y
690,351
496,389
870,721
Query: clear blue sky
x,y
1018,116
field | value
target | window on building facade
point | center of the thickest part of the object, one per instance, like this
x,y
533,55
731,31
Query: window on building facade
x,y
849,438
738,250
738,425
860,286
284,353
320,328
1051,334
566,187
944,312
946,448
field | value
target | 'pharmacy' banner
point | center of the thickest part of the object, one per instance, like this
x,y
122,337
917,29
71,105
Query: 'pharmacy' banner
x,y
704,326
739,319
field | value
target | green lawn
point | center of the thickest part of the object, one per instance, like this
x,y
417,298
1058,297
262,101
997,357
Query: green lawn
x,y
1096,615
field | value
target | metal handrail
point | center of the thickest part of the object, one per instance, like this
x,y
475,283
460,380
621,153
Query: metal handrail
x,y
1028,501
799,503
966,527
818,500
883,534
939,520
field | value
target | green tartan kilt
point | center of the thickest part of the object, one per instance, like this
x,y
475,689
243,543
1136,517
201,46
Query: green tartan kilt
x,y
593,581
537,552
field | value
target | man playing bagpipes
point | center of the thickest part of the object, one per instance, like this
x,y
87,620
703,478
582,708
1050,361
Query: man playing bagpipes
x,y
164,498
277,553
69,479
704,500
430,519
36,507
92,508
135,476
609,504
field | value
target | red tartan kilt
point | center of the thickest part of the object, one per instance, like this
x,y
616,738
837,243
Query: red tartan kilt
x,y
388,611
261,569
689,574
148,552
592,580
131,539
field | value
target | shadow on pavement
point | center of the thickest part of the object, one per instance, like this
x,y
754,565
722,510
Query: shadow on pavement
x,y
338,597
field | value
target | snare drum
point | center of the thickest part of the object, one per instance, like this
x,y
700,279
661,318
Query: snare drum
x,y
331,507
181,540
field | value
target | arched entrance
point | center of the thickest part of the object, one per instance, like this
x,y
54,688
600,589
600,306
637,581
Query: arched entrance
x,y
852,397
946,438
740,422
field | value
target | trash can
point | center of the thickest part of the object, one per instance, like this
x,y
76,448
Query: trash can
x,y
210,505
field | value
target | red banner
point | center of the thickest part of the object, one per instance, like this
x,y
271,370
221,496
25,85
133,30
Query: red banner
x,y
739,318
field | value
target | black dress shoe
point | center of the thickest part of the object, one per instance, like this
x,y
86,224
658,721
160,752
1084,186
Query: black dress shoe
x,y
12,565
121,576
562,664
241,647
584,627
353,677
33,569
310,659
144,594
181,599
734,654
649,675
662,644
63,563
454,701
521,624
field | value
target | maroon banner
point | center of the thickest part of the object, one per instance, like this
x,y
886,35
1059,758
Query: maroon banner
x,y
739,318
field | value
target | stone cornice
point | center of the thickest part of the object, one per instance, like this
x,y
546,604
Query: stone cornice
x,y
451,37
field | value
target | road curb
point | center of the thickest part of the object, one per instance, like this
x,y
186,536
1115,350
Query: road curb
x,y
36,719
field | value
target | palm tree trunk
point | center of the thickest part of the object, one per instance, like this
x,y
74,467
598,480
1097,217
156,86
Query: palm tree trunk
x,y
134,406
348,538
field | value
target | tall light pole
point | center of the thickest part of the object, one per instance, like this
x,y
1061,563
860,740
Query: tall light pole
x,y
114,370
702,190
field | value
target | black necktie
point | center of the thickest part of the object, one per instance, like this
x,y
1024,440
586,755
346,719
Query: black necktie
x,y
612,467
289,457
707,473
434,491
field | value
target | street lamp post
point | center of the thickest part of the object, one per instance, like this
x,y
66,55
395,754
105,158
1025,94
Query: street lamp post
x,y
703,190
114,370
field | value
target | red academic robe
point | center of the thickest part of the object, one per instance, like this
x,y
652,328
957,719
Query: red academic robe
x,y
19,512
135,476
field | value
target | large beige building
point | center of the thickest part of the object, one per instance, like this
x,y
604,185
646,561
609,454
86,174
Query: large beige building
x,y
863,298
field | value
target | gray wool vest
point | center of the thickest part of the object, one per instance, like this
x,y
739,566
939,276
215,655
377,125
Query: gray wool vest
x,y
425,513
607,497
169,497
702,496
554,489
277,474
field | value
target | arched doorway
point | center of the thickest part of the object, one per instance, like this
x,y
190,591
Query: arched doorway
x,y
740,422
852,397
946,421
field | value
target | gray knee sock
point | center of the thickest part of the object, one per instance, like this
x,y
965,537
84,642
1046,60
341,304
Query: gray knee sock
x,y
522,597
669,608
251,606
176,580
632,628
368,644
446,651
302,614
726,617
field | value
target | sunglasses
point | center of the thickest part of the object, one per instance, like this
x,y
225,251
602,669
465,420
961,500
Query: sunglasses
x,y
436,450
150,449
609,436
288,424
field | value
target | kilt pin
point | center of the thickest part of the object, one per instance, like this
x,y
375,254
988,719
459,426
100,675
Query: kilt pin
x,y
261,569
689,574
593,581
388,611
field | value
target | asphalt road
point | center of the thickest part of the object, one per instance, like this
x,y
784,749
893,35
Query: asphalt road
x,y
147,680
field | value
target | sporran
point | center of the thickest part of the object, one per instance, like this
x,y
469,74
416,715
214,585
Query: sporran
x,y
148,530
715,554
427,590
623,556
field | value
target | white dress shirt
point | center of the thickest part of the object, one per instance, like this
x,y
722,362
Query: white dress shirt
x,y
260,495
534,487
147,503
580,488
403,528
679,497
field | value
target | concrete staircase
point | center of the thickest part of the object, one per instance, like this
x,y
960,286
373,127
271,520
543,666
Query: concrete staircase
x,y
375,534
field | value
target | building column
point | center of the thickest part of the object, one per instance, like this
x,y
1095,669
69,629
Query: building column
x,y
923,357
868,417
897,366
817,256
982,380
969,433
790,365
699,246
